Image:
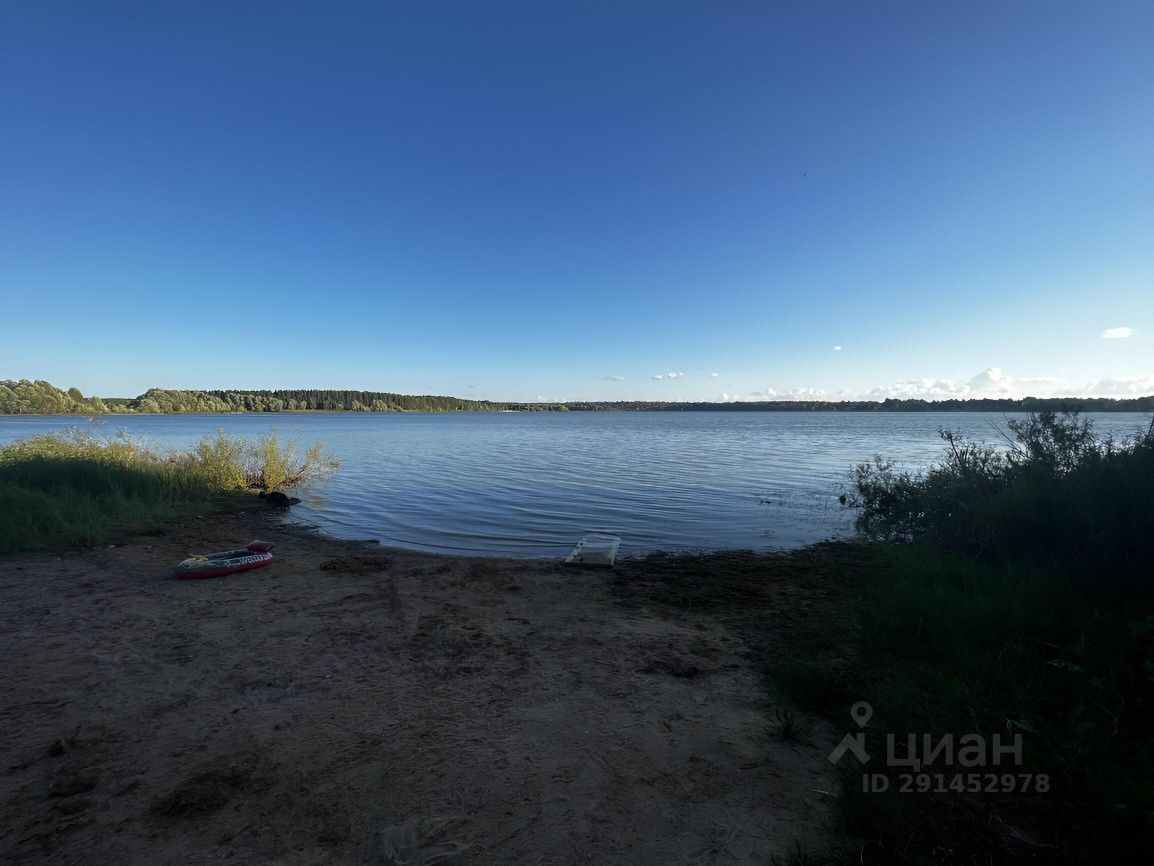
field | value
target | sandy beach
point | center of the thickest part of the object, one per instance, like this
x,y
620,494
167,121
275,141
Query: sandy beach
x,y
353,704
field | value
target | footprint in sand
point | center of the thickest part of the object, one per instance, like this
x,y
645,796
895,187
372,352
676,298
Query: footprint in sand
x,y
422,842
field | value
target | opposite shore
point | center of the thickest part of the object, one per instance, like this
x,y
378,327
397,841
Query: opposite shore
x,y
27,397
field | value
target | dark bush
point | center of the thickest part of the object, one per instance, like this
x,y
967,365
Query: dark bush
x,y
1056,491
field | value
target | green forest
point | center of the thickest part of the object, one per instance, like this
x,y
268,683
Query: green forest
x,y
26,397
43,398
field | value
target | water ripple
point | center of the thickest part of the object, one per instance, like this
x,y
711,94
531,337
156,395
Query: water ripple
x,y
530,484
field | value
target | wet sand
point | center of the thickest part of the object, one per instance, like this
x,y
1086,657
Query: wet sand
x,y
352,704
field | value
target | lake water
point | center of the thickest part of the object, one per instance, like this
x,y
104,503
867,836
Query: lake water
x,y
529,484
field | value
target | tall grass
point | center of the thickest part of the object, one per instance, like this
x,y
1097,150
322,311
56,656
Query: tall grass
x,y
60,491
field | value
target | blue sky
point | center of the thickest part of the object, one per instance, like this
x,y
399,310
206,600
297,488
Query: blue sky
x,y
566,200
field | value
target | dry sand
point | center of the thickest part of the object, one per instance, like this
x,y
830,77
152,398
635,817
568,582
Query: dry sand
x,y
352,704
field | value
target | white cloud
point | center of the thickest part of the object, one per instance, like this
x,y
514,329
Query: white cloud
x,y
804,394
926,389
1138,386
837,348
612,378
994,382
991,382
1117,333
674,375
658,376
774,394
714,375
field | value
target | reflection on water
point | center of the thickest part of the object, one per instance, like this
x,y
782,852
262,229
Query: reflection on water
x,y
528,484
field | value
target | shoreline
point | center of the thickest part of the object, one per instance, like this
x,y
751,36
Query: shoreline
x,y
353,701
724,408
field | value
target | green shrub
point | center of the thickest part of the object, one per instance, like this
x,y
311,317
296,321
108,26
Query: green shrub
x,y
220,461
1058,492
273,465
233,463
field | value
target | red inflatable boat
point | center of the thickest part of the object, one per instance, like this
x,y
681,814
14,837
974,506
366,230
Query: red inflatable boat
x,y
205,565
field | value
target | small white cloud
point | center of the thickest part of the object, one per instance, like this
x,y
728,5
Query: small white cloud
x,y
1117,333
1138,386
612,378
714,375
673,375
789,394
658,376
837,348
806,394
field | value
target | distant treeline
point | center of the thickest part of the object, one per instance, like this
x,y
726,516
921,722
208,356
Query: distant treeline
x,y
42,398
1028,404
